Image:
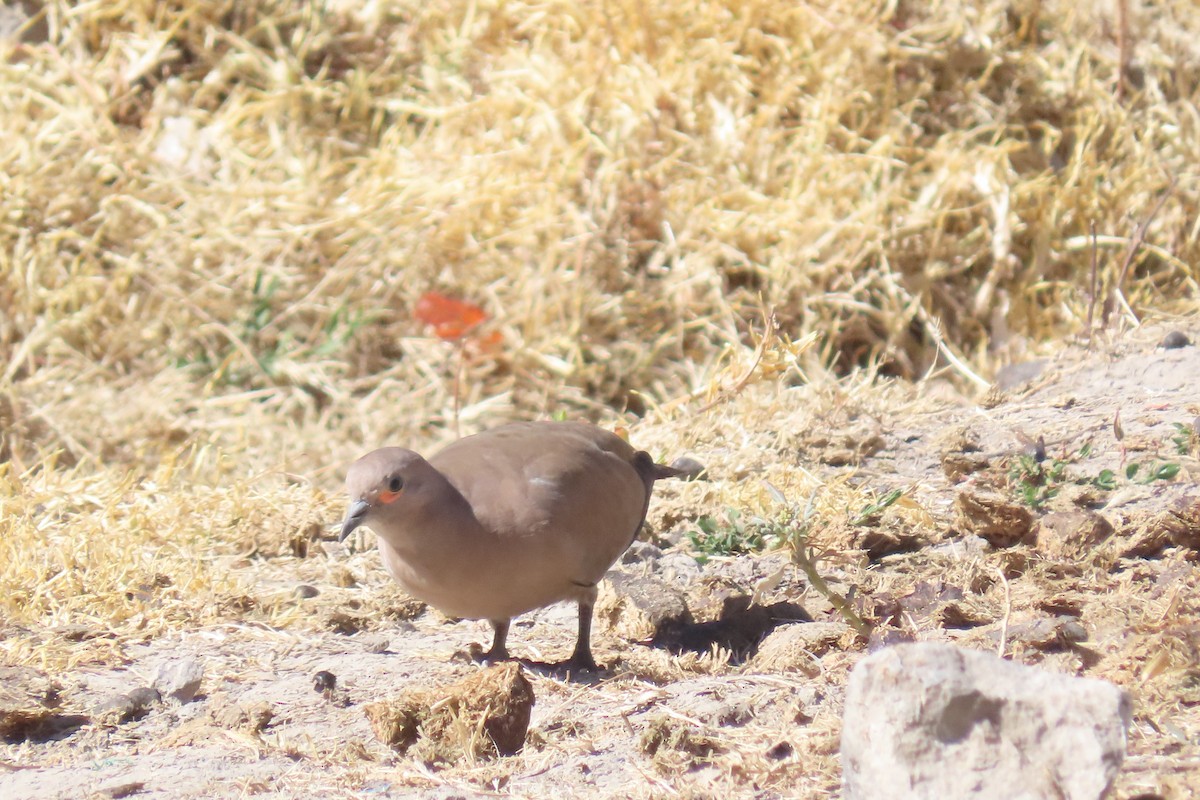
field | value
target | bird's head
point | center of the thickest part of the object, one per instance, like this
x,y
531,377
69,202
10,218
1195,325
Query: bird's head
x,y
382,484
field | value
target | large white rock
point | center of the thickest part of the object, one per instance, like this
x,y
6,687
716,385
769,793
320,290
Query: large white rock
x,y
936,721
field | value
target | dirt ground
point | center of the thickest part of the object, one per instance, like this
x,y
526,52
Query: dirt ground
x,y
1103,588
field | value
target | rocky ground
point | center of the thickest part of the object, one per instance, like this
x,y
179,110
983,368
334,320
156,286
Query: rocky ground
x,y
1055,521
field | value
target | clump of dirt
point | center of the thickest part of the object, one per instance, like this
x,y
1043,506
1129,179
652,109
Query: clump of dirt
x,y
993,517
666,734
483,716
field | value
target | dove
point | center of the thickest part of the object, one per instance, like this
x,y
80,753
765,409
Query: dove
x,y
506,521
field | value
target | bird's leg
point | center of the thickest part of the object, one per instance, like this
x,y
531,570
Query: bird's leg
x,y
499,651
582,659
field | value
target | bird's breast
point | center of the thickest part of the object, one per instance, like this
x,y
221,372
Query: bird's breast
x,y
484,582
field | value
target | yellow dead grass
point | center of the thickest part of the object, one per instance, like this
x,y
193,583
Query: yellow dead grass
x,y
259,196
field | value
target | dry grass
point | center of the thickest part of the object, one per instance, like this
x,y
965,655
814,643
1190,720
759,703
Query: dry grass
x,y
216,219
255,198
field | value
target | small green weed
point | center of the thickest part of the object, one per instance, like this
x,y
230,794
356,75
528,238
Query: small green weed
x,y
1037,482
1159,471
727,536
251,337
1186,437
1106,479
870,513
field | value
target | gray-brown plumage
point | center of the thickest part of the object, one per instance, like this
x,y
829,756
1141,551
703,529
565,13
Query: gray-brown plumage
x,y
506,521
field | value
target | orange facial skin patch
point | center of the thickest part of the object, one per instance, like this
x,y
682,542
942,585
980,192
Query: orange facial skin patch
x,y
389,497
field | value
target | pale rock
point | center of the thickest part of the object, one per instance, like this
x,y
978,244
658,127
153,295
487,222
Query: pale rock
x,y
936,721
179,680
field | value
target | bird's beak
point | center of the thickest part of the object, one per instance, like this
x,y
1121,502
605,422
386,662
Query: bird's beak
x,y
354,517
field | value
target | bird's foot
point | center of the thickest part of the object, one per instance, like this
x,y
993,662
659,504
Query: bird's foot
x,y
581,662
493,656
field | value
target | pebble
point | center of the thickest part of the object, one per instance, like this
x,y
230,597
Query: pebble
x,y
179,680
324,681
641,552
690,469
1175,340
121,788
129,706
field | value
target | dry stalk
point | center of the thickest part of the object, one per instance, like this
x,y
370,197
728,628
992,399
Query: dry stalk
x,y
1124,49
770,332
802,559
1116,294
1003,645
798,542
1092,297
956,361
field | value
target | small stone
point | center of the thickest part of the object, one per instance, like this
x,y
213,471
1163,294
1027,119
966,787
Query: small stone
x,y
690,469
145,696
306,592
377,642
641,609
128,707
1046,634
798,647
641,552
121,788
1015,376
179,680
246,717
677,568
1175,340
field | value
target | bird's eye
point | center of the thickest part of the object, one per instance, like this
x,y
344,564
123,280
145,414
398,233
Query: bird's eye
x,y
395,484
